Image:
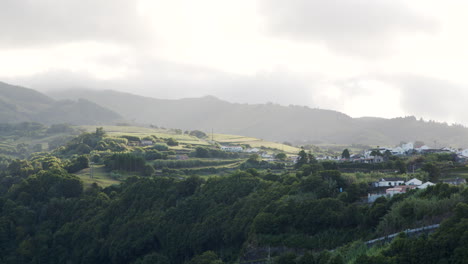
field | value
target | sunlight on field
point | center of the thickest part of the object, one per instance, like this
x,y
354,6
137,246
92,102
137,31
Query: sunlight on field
x,y
144,131
116,131
100,177
253,142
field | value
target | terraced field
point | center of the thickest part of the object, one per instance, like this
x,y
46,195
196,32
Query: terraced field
x,y
187,139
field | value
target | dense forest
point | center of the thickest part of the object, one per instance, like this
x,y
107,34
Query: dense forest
x,y
308,213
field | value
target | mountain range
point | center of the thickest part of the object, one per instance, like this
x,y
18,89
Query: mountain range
x,y
296,124
19,104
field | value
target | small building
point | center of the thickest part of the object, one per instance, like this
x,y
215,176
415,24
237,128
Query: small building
x,y
252,150
232,148
391,181
414,181
146,143
266,156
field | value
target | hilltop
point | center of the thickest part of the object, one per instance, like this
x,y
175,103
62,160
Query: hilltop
x,y
20,104
297,124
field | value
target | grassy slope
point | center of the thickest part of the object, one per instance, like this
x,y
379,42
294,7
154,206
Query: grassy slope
x,y
100,177
103,179
253,142
187,139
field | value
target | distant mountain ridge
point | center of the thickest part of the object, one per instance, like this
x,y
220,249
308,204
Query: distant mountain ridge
x,y
271,121
20,104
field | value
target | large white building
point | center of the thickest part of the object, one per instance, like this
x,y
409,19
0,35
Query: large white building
x,y
388,182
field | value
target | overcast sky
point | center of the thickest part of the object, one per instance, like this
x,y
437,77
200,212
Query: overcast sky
x,y
383,58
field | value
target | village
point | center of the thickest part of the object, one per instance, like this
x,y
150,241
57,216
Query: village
x,y
385,186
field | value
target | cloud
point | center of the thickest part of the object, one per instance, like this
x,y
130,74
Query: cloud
x,y
25,23
163,79
432,98
357,27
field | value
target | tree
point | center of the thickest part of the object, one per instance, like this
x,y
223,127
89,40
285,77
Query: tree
x,y
172,142
387,154
400,165
281,156
345,154
311,158
254,159
302,159
148,170
201,152
198,134
433,170
100,133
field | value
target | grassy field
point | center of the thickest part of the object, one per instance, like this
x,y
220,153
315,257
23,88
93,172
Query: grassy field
x,y
13,141
187,139
117,131
100,177
253,142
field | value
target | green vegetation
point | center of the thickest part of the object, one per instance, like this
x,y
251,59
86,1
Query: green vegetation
x,y
97,175
105,197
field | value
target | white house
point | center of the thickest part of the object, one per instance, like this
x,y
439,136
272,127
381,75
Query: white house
x,y
386,182
252,150
267,156
232,148
408,146
425,185
146,143
398,151
414,181
463,153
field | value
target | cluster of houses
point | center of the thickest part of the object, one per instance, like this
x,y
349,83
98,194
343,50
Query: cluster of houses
x,y
377,155
409,149
395,185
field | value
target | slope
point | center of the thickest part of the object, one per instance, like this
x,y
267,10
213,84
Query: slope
x,y
271,121
19,104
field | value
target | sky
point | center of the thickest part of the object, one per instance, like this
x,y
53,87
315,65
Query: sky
x,y
384,58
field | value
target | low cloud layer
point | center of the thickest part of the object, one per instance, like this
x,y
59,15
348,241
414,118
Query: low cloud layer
x,y
356,27
430,97
372,95
361,57
166,80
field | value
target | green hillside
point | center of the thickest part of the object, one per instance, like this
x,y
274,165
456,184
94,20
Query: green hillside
x,y
221,139
19,104
298,124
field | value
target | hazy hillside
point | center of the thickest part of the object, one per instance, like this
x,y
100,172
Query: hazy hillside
x,y
271,121
19,104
